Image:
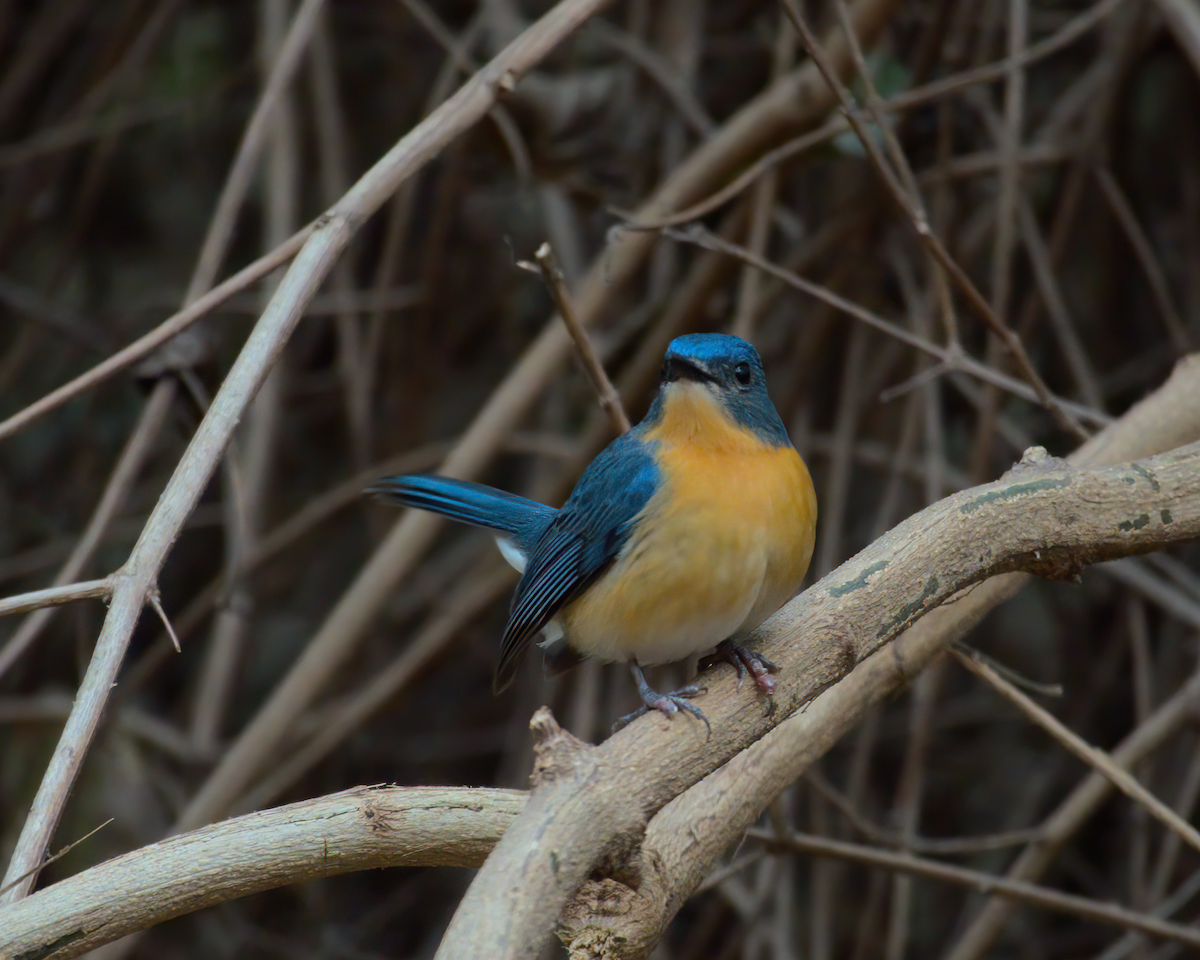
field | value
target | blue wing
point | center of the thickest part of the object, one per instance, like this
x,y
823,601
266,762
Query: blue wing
x,y
579,543
524,520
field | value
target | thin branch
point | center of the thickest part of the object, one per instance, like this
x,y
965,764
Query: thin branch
x,y
552,275
241,170
1068,34
925,232
1011,889
657,69
953,360
64,851
156,603
1155,277
55,596
155,413
1183,19
168,329
1074,810
939,846
506,126
1090,755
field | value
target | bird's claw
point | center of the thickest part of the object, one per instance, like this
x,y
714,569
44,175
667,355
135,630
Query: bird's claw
x,y
745,660
667,704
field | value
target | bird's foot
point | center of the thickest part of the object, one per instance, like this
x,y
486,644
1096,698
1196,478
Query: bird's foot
x,y
668,704
745,661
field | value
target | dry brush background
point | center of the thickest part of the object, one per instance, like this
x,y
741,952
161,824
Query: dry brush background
x,y
150,149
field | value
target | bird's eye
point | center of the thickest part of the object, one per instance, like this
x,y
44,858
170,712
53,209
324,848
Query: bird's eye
x,y
662,375
742,374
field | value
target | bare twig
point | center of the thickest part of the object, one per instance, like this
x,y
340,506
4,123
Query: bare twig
x,y
156,603
552,275
237,181
1090,755
116,491
657,69
762,203
952,359
1067,35
54,596
1121,209
443,626
247,478
65,850
1015,890
1184,20
151,341
923,230
939,846
1075,808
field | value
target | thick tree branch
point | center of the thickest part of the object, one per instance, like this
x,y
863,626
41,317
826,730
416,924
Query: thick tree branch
x,y
1044,516
359,829
604,795
618,920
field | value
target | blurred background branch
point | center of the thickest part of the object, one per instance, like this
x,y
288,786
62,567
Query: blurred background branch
x,y
1055,151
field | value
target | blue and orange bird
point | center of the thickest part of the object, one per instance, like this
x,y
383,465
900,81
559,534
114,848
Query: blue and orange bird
x,y
684,534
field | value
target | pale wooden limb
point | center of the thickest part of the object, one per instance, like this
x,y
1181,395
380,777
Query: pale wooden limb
x,y
687,836
363,828
589,803
314,261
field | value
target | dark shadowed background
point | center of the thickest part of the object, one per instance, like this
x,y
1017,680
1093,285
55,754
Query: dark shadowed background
x,y
1068,189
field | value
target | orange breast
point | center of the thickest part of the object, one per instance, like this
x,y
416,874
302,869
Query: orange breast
x,y
724,543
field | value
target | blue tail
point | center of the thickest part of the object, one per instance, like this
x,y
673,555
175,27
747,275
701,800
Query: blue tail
x,y
473,503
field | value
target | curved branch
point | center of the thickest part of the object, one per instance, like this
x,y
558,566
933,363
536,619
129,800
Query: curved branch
x,y
359,829
687,836
1044,516
371,827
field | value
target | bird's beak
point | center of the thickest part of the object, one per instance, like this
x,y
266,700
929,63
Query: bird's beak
x,y
676,368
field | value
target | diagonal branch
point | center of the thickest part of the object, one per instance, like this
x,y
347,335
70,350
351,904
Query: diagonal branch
x,y
1058,506
912,209
314,261
591,803
730,800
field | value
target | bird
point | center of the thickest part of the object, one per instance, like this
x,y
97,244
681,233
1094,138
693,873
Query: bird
x,y
681,536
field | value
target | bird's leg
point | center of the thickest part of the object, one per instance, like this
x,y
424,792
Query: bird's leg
x,y
746,661
667,703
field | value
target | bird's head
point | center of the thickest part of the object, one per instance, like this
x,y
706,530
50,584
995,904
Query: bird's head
x,y
726,372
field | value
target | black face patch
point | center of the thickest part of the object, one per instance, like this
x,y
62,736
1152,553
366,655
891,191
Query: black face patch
x,y
677,368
